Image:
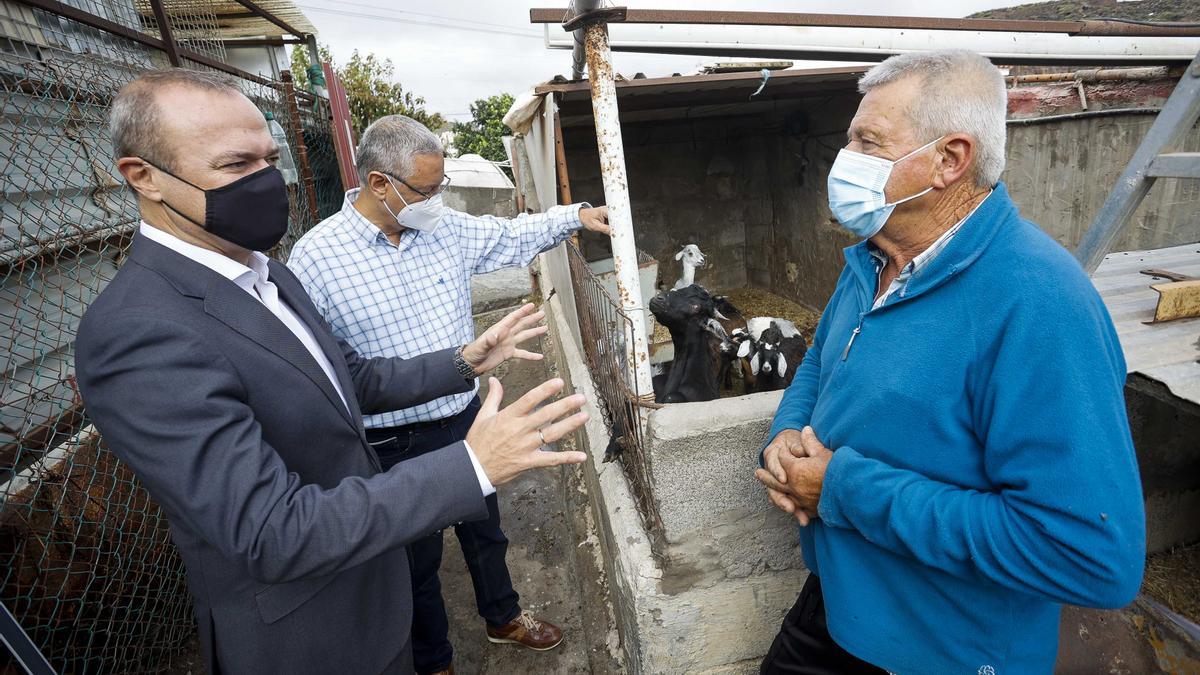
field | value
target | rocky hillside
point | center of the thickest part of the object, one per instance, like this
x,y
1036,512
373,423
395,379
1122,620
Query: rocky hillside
x,y
1073,10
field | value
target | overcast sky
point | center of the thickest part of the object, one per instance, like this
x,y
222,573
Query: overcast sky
x,y
456,51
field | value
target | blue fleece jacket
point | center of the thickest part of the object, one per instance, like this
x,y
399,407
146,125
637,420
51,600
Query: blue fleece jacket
x,y
983,472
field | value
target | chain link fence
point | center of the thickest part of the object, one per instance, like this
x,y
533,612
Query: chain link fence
x,y
86,561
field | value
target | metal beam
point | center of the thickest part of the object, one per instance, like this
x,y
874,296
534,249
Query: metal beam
x,y
1175,165
164,29
803,19
1171,126
261,42
260,12
88,19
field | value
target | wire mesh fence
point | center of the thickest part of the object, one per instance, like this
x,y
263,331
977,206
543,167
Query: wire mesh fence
x,y
606,330
86,561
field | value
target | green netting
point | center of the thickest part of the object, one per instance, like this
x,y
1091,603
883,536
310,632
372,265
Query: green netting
x,y
86,561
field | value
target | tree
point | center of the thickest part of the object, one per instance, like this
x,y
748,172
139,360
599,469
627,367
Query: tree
x,y
482,134
370,88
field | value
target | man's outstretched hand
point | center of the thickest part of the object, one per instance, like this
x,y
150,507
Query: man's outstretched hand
x,y
507,442
499,343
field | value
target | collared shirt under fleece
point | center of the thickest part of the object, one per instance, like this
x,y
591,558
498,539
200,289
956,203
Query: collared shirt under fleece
x,y
412,298
983,472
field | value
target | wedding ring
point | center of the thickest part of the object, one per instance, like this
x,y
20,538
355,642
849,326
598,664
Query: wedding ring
x,y
543,437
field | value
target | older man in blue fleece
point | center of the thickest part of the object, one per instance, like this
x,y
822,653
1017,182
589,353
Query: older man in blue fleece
x,y
955,443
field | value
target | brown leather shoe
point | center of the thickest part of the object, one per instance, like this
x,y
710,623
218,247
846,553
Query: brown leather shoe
x,y
448,671
528,632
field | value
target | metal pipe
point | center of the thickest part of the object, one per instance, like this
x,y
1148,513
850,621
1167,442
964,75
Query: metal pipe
x,y
306,173
811,20
1096,75
578,59
616,195
1084,114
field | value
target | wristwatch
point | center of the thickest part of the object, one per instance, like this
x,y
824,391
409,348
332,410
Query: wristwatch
x,y
464,368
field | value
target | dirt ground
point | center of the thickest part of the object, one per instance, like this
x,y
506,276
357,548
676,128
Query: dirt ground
x,y
553,557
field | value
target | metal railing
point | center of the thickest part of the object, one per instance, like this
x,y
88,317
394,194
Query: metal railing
x,y
87,566
606,330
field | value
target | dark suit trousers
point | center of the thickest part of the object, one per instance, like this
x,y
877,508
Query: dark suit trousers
x,y
483,544
804,645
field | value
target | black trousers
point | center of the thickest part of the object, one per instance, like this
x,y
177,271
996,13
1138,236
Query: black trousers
x,y
483,545
804,646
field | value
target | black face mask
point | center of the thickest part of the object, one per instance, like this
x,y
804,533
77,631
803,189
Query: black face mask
x,y
251,212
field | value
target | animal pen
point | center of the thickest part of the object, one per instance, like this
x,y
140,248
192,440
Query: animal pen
x,y
735,162
88,567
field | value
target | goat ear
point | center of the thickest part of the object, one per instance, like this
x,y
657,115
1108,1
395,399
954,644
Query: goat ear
x,y
782,364
754,362
679,256
744,349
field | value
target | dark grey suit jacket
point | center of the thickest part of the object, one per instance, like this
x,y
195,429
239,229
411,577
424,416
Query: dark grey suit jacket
x,y
292,537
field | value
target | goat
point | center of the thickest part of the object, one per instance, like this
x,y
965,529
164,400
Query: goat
x,y
692,258
773,358
733,326
689,315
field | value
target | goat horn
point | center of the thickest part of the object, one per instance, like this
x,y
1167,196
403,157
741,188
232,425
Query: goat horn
x,y
717,313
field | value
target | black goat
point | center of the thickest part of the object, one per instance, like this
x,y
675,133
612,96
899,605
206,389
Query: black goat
x,y
690,316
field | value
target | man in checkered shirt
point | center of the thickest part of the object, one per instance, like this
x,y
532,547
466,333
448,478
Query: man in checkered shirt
x,y
391,273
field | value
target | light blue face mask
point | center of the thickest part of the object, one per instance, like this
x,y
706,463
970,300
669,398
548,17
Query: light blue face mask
x,y
856,196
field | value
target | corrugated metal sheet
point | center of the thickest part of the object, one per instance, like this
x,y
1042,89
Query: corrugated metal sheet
x,y
1167,352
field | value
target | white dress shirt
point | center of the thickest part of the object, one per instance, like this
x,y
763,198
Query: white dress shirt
x,y
255,280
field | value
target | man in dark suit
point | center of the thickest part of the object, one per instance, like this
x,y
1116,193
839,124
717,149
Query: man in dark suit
x,y
209,372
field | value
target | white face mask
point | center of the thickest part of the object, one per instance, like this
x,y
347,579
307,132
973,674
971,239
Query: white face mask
x,y
422,216
856,196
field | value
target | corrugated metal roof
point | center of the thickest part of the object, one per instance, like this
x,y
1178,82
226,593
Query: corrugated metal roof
x,y
1168,352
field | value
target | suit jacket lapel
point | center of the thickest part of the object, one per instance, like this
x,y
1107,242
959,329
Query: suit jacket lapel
x,y
231,305
291,292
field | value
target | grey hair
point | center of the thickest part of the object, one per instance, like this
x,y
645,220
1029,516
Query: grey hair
x,y
960,92
391,143
133,120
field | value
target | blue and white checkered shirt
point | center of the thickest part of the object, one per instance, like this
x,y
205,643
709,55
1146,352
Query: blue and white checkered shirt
x,y
415,297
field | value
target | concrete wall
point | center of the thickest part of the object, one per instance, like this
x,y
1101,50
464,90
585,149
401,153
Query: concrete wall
x,y
750,189
712,599
481,201
699,181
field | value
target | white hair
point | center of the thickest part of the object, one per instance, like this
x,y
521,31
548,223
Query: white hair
x,y
390,144
960,92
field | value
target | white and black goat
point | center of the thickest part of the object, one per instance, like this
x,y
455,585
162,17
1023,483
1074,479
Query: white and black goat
x,y
773,349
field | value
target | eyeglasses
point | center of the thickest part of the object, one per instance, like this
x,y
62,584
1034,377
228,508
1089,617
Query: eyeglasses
x,y
427,195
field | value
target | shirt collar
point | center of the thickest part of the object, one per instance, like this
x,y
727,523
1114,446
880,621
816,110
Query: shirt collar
x,y
922,258
227,267
357,224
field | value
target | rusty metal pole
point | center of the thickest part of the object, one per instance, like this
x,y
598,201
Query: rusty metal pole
x,y
306,174
616,195
164,30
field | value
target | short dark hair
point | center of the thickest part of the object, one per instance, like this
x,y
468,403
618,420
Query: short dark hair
x,y
133,120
